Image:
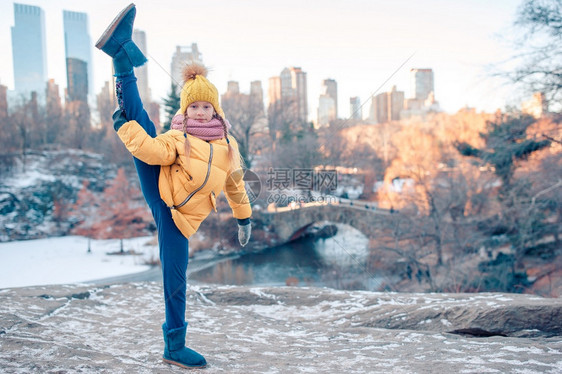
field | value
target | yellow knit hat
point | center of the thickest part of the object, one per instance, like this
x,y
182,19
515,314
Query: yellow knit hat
x,y
198,88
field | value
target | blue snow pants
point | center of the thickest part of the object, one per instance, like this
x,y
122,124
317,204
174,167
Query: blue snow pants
x,y
172,244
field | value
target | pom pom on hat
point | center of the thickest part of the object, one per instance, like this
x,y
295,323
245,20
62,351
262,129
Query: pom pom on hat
x,y
198,88
190,72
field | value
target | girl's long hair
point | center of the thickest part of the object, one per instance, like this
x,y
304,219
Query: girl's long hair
x,y
233,155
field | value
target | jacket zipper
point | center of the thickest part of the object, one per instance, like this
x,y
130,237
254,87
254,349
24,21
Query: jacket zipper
x,y
201,186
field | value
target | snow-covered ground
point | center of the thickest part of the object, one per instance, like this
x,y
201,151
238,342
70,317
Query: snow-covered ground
x,y
66,260
117,329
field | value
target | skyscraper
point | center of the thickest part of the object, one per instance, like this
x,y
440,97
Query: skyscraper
x,y
330,88
286,84
293,86
77,45
54,104
328,103
29,49
422,95
256,91
77,76
378,108
387,106
396,104
326,110
421,81
245,110
274,90
256,98
232,88
355,108
288,94
299,85
182,57
256,94
141,72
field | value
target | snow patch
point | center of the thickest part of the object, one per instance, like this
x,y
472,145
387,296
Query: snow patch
x,y
258,292
66,260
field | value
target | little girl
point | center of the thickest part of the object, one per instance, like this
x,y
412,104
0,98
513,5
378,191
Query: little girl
x,y
181,172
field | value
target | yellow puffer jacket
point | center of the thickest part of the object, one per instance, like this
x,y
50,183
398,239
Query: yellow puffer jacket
x,y
189,188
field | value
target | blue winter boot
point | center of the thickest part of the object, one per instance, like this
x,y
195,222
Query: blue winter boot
x,y
117,42
175,351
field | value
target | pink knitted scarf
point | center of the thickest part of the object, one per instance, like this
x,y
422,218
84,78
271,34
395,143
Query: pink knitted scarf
x,y
211,130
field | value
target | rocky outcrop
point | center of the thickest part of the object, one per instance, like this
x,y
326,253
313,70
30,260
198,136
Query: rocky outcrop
x,y
29,193
116,328
485,314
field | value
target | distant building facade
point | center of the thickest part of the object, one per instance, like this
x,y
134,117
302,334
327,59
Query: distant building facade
x,y
537,106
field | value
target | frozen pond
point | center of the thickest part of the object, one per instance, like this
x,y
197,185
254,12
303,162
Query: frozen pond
x,y
339,262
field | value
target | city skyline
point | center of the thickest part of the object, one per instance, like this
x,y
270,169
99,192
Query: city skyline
x,y
327,42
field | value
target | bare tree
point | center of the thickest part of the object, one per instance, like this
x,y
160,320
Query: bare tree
x,y
117,214
526,211
283,120
78,119
20,121
55,121
540,67
246,114
332,146
302,153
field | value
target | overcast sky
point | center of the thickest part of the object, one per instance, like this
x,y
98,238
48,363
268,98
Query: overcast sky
x,y
359,43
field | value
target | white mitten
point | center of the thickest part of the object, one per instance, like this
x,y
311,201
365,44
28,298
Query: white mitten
x,y
244,233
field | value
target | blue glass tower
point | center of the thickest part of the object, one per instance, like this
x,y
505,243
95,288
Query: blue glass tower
x,y
29,50
77,46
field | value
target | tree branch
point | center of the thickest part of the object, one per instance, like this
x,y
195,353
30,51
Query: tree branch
x,y
552,139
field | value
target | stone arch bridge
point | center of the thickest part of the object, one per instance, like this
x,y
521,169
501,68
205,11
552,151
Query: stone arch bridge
x,y
288,223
